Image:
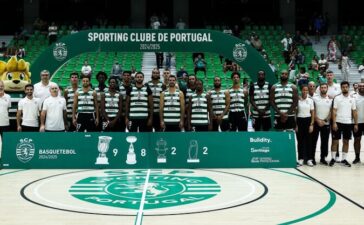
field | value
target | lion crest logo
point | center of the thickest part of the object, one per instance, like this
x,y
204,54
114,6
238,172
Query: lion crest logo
x,y
240,52
25,150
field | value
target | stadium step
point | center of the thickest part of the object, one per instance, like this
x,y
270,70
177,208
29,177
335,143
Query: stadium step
x,y
149,63
321,48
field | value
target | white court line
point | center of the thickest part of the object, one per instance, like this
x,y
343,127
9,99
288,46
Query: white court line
x,y
141,207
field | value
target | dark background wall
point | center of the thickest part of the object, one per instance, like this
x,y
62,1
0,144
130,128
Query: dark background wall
x,y
292,14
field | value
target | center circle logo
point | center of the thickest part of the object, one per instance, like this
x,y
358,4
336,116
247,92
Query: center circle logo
x,y
165,192
125,191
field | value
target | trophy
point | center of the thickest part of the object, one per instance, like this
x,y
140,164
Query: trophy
x,y
103,147
131,157
161,150
193,152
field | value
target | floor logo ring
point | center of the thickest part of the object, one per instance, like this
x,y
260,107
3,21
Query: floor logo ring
x,y
169,192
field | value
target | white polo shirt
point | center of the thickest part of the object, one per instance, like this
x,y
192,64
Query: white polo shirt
x,y
30,108
322,107
332,91
344,106
42,91
5,104
54,106
304,107
359,101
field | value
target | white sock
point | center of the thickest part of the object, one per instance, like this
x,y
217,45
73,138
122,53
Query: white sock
x,y
333,155
344,155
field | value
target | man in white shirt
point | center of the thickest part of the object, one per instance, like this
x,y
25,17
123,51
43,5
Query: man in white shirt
x,y
5,104
28,111
359,101
41,89
86,69
54,113
361,71
343,114
333,88
322,122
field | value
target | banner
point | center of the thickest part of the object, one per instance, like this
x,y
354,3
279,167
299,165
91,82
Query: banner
x,y
144,40
36,150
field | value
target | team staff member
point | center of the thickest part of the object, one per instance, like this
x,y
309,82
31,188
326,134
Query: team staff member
x,y
259,99
343,115
220,103
5,104
172,107
304,128
284,99
54,112
322,123
359,101
27,116
238,102
139,106
85,108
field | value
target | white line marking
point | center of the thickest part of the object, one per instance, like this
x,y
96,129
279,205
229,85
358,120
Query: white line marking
x,y
141,207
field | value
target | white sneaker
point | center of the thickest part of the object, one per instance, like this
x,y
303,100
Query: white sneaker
x,y
310,163
300,162
337,159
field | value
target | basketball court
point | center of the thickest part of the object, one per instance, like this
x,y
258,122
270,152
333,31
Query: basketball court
x,y
319,195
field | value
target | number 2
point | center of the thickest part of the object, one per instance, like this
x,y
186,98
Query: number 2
x,y
205,149
173,151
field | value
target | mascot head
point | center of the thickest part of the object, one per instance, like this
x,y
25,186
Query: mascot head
x,y
15,74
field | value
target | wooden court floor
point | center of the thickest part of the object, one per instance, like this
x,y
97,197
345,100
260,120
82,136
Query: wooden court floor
x,y
319,195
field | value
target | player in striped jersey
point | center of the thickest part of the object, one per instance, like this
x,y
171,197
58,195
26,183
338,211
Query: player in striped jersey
x,y
157,87
101,78
259,99
238,103
139,106
172,107
199,108
85,111
111,107
124,85
220,103
69,94
284,100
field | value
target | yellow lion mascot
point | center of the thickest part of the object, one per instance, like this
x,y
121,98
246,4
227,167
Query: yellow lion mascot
x,y
15,74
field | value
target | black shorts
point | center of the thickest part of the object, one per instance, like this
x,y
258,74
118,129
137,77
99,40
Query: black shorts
x,y
360,131
86,122
344,129
289,124
262,123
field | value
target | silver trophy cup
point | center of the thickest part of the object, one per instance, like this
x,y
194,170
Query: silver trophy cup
x,y
103,147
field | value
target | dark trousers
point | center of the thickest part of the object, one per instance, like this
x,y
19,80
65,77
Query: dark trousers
x,y
304,139
324,132
29,129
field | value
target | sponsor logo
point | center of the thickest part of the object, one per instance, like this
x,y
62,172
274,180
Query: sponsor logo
x,y
60,51
262,150
264,160
260,140
25,150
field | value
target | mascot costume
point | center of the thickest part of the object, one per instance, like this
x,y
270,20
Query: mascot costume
x,y
15,74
